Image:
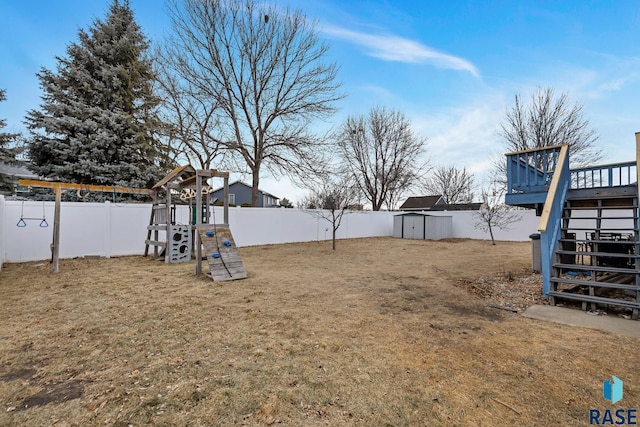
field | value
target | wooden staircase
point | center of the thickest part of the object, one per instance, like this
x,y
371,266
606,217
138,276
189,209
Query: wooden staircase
x,y
589,225
596,260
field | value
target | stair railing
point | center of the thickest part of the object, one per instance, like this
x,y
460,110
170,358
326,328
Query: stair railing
x,y
550,220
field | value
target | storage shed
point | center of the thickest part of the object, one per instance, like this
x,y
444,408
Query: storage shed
x,y
415,225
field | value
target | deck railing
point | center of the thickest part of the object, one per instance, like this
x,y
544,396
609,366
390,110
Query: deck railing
x,y
531,170
611,175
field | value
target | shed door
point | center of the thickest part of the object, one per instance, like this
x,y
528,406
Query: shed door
x,y
413,227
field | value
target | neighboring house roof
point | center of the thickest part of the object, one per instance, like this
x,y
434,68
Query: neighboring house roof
x,y
458,207
18,170
421,202
249,187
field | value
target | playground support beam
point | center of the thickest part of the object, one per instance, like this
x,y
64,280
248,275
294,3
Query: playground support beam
x,y
85,187
207,173
57,188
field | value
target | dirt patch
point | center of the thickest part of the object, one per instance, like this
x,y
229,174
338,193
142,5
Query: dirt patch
x,y
514,290
18,374
379,332
480,311
54,393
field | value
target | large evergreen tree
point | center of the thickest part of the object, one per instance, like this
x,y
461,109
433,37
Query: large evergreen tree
x,y
97,117
8,150
7,140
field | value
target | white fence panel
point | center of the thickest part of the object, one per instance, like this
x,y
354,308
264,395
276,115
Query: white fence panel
x,y
110,229
261,226
2,232
126,229
28,243
366,224
464,226
82,229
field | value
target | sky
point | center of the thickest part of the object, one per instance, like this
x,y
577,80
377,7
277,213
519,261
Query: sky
x,y
452,67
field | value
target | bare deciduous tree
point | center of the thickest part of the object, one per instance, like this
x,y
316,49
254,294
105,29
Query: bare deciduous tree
x,y
330,200
262,68
549,120
493,212
191,121
453,184
382,154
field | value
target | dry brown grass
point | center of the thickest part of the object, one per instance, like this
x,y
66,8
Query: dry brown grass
x,y
376,333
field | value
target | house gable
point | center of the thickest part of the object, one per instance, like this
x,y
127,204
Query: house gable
x,y
242,195
418,203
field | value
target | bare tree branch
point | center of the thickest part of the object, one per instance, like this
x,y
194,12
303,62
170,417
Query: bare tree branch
x,y
383,155
494,213
191,120
545,121
453,184
331,200
266,78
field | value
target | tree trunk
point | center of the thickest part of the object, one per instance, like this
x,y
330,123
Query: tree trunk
x,y
254,187
493,242
333,227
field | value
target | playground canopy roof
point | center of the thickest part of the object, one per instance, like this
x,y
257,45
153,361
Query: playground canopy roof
x,y
185,176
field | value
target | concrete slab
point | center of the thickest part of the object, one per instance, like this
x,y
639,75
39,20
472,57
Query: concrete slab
x,y
574,317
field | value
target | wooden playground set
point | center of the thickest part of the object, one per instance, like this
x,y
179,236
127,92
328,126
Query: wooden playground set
x,y
201,237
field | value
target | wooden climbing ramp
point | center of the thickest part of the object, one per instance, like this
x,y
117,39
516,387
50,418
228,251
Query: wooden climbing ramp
x,y
221,252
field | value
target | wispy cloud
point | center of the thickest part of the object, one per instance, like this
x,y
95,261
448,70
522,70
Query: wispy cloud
x,y
394,48
465,136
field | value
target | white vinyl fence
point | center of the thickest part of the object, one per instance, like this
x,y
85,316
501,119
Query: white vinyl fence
x,y
111,229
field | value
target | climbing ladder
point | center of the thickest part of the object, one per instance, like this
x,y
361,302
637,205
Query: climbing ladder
x,y
158,222
221,252
589,231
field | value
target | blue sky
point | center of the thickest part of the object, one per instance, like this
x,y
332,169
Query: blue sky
x,y
452,67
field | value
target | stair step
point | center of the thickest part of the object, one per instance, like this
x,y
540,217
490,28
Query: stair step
x,y
155,243
597,254
615,242
603,218
591,298
157,227
595,284
605,207
605,229
595,268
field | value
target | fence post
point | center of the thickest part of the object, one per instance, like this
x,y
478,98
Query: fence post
x,y
107,229
2,230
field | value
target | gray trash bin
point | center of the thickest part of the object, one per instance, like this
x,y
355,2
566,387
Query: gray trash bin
x,y
536,256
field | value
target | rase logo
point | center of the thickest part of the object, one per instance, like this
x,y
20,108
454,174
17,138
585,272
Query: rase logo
x,y
612,390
